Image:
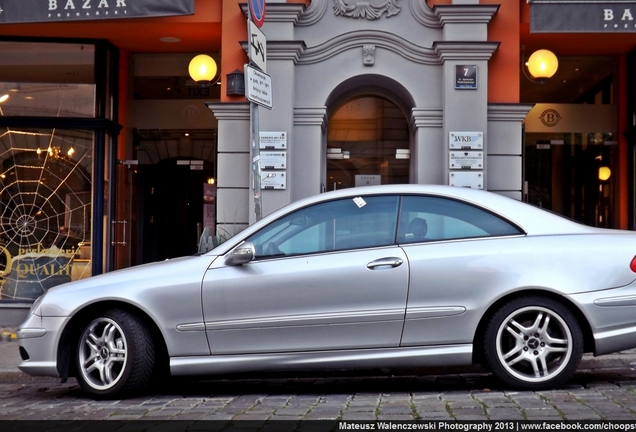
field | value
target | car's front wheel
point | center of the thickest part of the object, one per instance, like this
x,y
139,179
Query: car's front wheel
x,y
115,355
533,343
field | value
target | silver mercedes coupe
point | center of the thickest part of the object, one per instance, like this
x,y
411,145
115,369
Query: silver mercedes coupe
x,y
375,277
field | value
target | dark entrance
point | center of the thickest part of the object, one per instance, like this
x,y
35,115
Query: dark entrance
x,y
171,208
572,174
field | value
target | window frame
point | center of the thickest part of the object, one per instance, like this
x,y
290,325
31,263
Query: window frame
x,y
400,236
282,237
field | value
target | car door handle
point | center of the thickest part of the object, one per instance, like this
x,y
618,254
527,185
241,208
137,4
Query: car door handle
x,y
385,262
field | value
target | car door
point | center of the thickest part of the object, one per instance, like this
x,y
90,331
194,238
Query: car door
x,y
458,255
328,276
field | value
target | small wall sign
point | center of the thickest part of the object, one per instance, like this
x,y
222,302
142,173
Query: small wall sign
x,y
274,179
466,140
473,180
466,160
273,160
273,140
368,180
466,77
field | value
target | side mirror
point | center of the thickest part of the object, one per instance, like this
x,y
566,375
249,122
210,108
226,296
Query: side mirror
x,y
241,254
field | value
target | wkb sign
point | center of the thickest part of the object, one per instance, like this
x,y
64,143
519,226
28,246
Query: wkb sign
x,y
22,11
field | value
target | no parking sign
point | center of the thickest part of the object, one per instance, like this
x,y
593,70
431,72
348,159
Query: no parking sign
x,y
257,12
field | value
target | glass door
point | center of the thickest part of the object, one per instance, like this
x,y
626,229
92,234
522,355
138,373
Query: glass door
x,y
573,174
368,144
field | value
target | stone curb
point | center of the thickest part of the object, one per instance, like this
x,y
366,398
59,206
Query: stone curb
x,y
8,336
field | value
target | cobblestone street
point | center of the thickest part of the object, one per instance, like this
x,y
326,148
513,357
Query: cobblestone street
x,y
604,388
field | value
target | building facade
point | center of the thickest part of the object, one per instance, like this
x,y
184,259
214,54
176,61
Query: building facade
x,y
113,156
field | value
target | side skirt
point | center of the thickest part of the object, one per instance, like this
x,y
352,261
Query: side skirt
x,y
446,355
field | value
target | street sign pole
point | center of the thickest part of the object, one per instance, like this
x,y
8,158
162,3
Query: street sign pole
x,y
256,161
256,145
257,42
256,149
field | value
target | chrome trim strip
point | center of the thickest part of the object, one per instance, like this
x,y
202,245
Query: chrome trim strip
x,y
28,333
434,312
463,239
309,319
616,301
191,327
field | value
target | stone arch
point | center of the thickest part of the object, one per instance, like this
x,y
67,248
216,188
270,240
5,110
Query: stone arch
x,y
373,85
368,132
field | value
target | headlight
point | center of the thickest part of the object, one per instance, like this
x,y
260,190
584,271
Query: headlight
x,y
35,308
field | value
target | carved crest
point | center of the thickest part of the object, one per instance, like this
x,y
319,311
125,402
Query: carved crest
x,y
365,9
368,55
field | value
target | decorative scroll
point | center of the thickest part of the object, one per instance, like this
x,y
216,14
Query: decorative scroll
x,y
365,9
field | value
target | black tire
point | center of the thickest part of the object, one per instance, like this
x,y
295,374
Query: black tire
x,y
533,343
115,355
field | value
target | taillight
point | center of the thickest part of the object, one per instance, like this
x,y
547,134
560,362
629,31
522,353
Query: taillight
x,y
632,265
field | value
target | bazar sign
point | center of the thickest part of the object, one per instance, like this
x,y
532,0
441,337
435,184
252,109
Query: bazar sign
x,y
12,11
582,16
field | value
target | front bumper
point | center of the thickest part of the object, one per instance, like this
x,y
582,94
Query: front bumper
x,y
38,339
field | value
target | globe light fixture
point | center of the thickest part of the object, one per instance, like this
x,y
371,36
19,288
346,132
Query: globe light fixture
x,y
604,173
202,68
542,64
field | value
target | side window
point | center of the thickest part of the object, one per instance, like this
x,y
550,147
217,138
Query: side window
x,y
330,226
432,218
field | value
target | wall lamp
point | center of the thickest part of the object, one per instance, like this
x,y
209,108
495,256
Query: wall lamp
x,y
235,83
541,65
203,69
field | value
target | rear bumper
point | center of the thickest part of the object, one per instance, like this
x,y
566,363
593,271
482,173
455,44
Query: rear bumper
x,y
612,318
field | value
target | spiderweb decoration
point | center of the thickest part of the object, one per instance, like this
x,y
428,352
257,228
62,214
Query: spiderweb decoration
x,y
45,209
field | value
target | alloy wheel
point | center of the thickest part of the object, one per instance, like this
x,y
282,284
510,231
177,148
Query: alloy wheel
x,y
102,353
534,344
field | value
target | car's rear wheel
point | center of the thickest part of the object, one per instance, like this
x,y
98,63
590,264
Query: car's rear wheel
x,y
533,343
115,355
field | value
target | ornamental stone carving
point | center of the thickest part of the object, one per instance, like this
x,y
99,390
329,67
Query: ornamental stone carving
x,y
365,9
368,55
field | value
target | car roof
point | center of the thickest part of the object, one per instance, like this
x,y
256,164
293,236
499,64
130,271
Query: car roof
x,y
532,220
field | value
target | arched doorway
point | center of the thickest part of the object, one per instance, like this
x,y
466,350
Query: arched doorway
x,y
368,143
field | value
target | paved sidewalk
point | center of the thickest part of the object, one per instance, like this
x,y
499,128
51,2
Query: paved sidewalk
x,y
603,388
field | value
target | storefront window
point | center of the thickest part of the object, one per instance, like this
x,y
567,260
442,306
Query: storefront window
x,y
368,143
45,208
47,79
56,127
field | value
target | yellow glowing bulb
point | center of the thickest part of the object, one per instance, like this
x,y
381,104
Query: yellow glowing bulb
x,y
543,64
202,68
